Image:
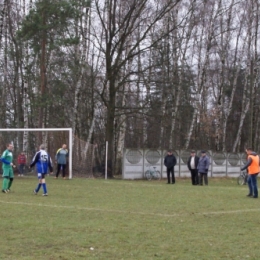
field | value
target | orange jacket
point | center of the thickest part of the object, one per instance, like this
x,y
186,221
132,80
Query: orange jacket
x,y
253,168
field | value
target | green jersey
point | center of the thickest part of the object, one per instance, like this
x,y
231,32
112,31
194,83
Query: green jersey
x,y
7,158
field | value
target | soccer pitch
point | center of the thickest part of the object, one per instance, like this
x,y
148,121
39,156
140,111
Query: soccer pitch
x,y
117,219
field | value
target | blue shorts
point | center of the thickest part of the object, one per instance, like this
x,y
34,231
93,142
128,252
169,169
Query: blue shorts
x,y
41,175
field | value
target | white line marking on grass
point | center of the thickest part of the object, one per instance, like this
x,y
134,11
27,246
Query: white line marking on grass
x,y
227,212
135,212
235,187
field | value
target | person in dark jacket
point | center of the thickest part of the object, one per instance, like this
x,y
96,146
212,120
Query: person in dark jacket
x,y
192,165
203,167
169,163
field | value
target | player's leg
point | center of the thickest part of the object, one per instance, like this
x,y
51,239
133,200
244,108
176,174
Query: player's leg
x,y
5,179
58,170
11,178
64,171
10,184
39,183
5,184
44,186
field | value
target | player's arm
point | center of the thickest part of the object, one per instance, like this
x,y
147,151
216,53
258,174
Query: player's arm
x,y
35,159
3,159
50,165
57,154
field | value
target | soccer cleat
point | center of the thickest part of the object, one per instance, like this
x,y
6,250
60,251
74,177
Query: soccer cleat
x,y
45,194
4,191
8,190
249,195
34,191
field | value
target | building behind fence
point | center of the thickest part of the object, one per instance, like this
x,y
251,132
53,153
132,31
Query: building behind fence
x,y
137,161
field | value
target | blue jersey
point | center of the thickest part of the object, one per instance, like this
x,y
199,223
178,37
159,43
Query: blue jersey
x,y
42,161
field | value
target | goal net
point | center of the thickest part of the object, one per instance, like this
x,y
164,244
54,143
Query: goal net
x,y
82,155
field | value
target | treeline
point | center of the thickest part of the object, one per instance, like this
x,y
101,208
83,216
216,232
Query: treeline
x,y
137,73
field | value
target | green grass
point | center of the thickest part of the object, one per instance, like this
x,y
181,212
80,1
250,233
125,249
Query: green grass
x,y
129,220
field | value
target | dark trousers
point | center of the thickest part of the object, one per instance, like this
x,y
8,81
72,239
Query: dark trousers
x,y
21,168
194,176
169,172
252,184
205,177
63,167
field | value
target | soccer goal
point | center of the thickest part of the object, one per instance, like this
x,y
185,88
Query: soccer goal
x,y
28,130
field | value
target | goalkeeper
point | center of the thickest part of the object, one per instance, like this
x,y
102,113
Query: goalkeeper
x,y
8,173
43,161
61,159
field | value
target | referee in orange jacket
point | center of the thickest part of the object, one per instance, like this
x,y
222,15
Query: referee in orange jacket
x,y
252,166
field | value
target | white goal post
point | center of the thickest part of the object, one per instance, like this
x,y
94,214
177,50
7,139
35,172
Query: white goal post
x,y
47,130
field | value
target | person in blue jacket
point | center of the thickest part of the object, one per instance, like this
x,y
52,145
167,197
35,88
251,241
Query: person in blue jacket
x,y
203,167
43,161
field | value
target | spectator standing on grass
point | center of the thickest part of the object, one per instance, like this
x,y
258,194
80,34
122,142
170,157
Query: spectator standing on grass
x,y
192,166
252,166
43,161
7,165
21,163
169,163
61,159
203,167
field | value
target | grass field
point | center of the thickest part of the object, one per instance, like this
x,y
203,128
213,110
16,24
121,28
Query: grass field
x,y
117,219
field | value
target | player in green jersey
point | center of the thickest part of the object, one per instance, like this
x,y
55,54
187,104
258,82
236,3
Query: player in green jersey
x,y
7,165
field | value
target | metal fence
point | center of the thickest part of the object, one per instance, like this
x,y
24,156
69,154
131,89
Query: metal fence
x,y
137,161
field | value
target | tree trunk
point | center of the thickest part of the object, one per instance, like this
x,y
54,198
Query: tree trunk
x,y
110,129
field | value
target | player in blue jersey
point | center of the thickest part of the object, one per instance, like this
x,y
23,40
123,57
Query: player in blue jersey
x,y
43,161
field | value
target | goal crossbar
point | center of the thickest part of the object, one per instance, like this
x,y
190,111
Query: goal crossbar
x,y
46,130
